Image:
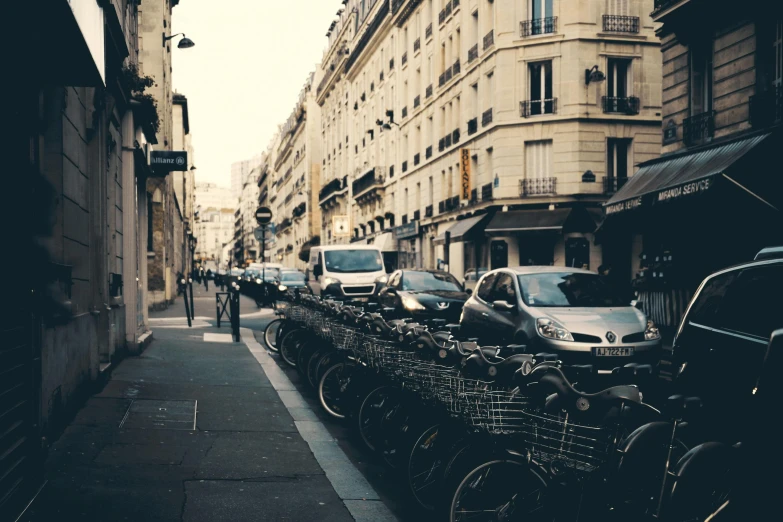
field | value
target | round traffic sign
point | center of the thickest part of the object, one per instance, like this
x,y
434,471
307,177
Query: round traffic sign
x,y
263,215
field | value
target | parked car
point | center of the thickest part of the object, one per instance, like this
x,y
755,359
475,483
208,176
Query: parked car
x,y
720,344
292,279
423,294
571,312
345,271
471,278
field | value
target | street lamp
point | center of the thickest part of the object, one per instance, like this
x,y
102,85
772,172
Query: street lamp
x,y
594,75
185,43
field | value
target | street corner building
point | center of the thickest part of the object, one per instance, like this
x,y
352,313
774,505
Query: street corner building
x,y
83,212
713,198
484,133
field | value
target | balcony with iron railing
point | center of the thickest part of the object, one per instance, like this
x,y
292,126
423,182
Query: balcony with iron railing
x,y
473,53
489,40
428,91
333,188
472,126
621,105
621,24
699,128
299,210
428,211
456,68
766,108
286,223
538,187
486,117
369,181
530,108
612,185
445,77
486,192
444,13
538,26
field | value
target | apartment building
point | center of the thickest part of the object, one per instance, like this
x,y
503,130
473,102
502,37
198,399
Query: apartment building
x,y
295,189
215,207
498,127
722,114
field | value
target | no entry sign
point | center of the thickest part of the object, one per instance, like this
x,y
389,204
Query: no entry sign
x,y
263,215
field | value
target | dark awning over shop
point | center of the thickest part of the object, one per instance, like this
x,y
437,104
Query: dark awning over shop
x,y
675,176
460,229
516,221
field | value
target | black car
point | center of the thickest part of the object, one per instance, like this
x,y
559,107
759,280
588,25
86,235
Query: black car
x,y
423,294
720,344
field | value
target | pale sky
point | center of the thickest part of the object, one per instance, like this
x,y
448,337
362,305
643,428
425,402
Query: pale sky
x,y
245,73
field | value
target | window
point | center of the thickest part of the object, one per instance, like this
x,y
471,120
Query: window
x,y
504,289
701,78
617,7
539,158
539,11
617,164
485,287
541,98
618,83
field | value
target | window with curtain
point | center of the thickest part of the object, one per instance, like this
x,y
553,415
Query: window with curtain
x,y
541,96
539,159
618,153
618,7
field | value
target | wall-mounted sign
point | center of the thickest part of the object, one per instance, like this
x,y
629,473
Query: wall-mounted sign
x,y
688,189
670,132
168,160
464,168
407,230
622,206
341,226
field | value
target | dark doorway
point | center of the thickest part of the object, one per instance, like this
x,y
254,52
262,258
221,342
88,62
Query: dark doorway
x,y
577,252
499,253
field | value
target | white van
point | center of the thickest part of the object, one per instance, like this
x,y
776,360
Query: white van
x,y
345,271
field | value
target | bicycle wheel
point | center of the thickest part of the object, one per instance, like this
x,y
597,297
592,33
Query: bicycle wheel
x,y
500,490
309,347
312,365
272,334
425,466
290,345
332,386
374,408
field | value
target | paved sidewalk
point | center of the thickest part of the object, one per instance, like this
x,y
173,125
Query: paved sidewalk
x,y
194,430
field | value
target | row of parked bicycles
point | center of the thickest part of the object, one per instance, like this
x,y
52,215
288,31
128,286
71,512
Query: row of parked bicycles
x,y
487,433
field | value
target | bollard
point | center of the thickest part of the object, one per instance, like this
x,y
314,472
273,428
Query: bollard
x,y
192,306
223,305
235,315
187,309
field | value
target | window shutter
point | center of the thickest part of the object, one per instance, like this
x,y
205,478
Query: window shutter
x,y
539,159
617,7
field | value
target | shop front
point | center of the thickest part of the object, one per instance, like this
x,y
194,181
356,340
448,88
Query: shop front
x,y
465,242
408,239
689,214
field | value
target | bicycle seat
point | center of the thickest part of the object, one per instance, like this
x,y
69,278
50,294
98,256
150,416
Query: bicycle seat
x,y
572,400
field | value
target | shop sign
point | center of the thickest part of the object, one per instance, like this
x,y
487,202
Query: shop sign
x,y
341,226
684,190
169,160
464,165
407,230
622,206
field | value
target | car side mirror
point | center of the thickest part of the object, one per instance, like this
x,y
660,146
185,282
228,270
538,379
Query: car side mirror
x,y
318,270
503,306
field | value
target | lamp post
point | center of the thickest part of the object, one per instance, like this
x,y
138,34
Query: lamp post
x,y
185,43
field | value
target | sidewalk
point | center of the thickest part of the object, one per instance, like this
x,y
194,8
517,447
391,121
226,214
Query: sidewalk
x,y
194,430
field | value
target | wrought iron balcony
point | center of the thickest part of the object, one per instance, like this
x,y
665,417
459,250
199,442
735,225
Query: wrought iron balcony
x,y
472,126
444,78
473,53
405,166
404,60
444,13
417,45
537,107
698,129
330,188
621,24
370,180
486,118
428,211
428,32
538,187
428,91
455,136
455,69
612,185
416,101
615,105
300,210
405,112
766,108
428,152
454,4
538,26
416,159
486,192
489,40
286,223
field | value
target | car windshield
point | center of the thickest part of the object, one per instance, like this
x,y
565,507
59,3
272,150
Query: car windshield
x,y
564,289
294,277
429,281
353,261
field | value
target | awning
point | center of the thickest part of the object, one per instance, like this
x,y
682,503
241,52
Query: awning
x,y
385,242
460,229
673,177
516,221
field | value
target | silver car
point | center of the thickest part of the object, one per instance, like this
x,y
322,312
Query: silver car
x,y
572,312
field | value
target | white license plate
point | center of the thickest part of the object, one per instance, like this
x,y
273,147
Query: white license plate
x,y
617,351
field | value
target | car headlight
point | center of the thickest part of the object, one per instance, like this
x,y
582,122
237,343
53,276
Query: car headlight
x,y
328,281
411,304
282,288
258,281
552,330
651,333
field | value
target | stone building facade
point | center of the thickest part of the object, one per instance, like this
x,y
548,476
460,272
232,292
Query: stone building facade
x,y
548,104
